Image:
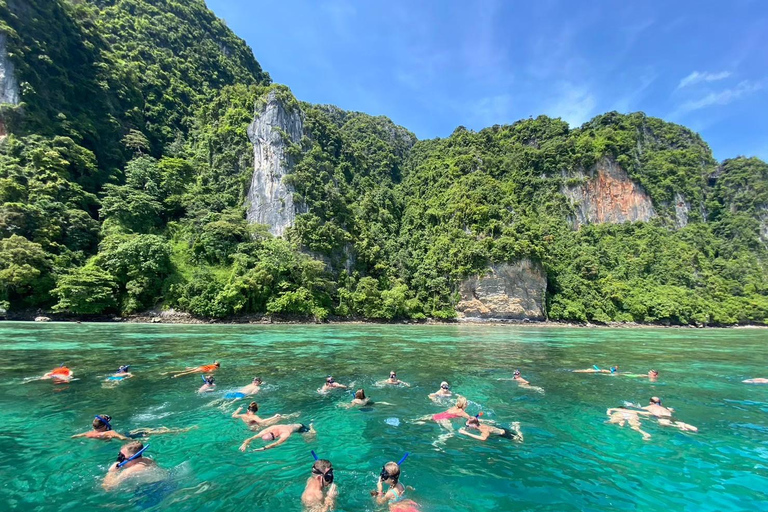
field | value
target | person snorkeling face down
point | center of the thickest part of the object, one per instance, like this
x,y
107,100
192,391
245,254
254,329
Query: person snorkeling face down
x,y
360,394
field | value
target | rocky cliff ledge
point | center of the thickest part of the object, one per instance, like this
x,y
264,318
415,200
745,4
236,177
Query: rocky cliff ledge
x,y
608,194
9,88
269,200
509,291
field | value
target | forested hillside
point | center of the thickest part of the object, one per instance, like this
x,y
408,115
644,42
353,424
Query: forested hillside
x,y
126,166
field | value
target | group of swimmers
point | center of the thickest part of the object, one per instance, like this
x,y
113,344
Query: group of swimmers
x,y
320,491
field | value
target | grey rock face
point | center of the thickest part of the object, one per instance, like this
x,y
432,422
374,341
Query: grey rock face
x,y
682,208
269,200
509,291
9,87
608,195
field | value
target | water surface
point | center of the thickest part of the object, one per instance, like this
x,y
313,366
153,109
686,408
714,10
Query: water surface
x,y
570,460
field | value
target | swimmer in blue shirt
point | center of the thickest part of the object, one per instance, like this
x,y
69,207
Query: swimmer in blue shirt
x,y
121,374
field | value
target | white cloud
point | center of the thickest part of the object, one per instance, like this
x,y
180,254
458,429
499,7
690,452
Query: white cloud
x,y
723,97
697,77
575,105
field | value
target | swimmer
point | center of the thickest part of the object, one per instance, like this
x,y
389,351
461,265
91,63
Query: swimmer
x,y
758,380
445,390
208,368
393,381
652,375
122,373
209,384
330,383
390,475
102,429
252,388
613,371
320,492
252,419
457,411
519,379
61,374
486,430
146,432
361,400
130,463
664,415
622,417
279,434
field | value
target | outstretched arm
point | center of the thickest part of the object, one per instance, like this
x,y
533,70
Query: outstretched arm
x,y
248,441
79,435
272,445
482,437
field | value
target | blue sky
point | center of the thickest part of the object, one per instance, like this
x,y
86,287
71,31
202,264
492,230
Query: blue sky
x,y
434,65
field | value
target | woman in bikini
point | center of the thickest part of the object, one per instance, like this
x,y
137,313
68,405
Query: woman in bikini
x,y
207,368
394,496
457,411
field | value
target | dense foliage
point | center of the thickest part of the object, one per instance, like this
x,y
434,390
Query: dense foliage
x,y
124,177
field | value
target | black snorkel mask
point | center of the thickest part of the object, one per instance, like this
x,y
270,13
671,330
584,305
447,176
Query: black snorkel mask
x,y
327,476
105,421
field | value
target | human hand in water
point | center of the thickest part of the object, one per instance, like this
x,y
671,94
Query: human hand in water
x,y
243,447
333,492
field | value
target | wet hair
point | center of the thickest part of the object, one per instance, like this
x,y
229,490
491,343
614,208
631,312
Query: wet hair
x,y
461,402
473,421
656,400
321,465
360,394
444,383
257,379
217,364
97,423
253,407
655,372
393,470
133,448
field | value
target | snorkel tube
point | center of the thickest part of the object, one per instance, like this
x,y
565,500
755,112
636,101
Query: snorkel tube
x,y
134,456
596,367
314,454
403,459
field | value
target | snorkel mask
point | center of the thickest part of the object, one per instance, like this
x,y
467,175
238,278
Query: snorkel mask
x,y
104,420
517,373
123,369
614,369
208,380
392,375
122,460
329,380
327,476
444,386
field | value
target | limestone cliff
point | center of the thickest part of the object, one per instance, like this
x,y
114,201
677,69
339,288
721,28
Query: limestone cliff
x,y
509,291
269,200
608,194
9,88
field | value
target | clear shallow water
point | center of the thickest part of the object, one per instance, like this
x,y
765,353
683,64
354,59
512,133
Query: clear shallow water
x,y
571,460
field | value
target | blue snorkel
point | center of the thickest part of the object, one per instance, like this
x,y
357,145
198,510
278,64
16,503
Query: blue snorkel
x,y
104,421
204,380
596,367
123,369
314,455
134,456
614,369
403,459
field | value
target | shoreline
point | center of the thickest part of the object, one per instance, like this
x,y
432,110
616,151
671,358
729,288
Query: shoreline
x,y
180,318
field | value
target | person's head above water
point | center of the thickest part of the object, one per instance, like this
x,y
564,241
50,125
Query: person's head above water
x,y
323,468
655,400
257,380
473,422
360,394
123,368
444,385
329,379
461,402
130,450
209,380
517,373
253,407
614,369
392,375
390,473
102,422
653,373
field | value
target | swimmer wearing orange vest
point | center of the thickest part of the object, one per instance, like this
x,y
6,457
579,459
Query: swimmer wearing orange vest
x,y
208,368
62,373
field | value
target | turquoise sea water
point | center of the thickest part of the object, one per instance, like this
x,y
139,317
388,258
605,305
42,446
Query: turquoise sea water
x,y
570,460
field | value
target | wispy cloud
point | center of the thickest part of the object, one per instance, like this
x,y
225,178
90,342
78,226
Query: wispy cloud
x,y
723,97
574,105
697,77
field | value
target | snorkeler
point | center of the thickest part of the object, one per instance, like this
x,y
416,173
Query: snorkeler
x,y
102,429
758,380
445,390
486,430
664,415
622,417
652,375
390,475
122,373
62,373
209,384
595,369
277,433
208,368
130,462
393,380
457,411
320,492
519,379
330,383
360,399
252,419
252,388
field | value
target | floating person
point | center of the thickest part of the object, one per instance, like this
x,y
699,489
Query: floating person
x,y
664,415
209,384
758,380
457,411
652,375
519,379
60,374
102,429
207,368
252,419
131,464
277,433
443,391
330,383
361,400
621,417
320,493
393,380
121,374
487,430
394,495
249,390
595,369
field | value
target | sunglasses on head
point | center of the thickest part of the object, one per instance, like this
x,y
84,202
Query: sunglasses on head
x,y
327,476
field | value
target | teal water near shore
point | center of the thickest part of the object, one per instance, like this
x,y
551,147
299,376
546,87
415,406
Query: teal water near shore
x,y
571,459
